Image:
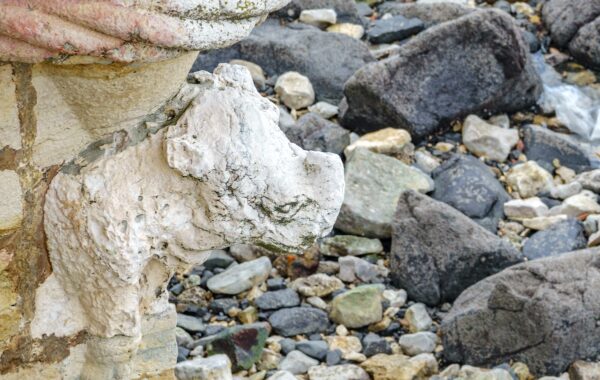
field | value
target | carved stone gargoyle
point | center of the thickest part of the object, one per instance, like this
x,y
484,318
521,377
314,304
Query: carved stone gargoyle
x,y
132,174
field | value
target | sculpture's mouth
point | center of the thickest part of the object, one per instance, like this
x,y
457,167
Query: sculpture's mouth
x,y
38,30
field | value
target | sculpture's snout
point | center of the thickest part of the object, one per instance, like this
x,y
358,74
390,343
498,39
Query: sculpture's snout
x,y
263,189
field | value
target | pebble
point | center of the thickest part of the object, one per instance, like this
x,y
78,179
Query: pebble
x,y
426,161
353,269
518,209
295,90
418,343
297,363
389,141
240,278
348,345
576,205
541,223
324,109
317,285
281,375
338,372
299,320
349,245
243,344
190,323
333,357
529,179
400,367
373,344
417,318
278,299
351,30
358,307
396,298
565,191
487,140
210,368
316,349
321,18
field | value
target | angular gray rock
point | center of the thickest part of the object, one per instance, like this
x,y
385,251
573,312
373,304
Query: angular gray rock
x,y
305,49
561,237
478,63
575,24
543,146
313,132
469,186
437,252
373,184
543,313
299,320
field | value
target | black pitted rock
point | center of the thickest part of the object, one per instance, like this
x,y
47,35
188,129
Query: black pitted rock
x,y
469,186
565,17
302,48
430,14
278,299
575,24
478,63
561,237
437,252
373,344
544,145
313,132
394,28
299,320
346,10
542,312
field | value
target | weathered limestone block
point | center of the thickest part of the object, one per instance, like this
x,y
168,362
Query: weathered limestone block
x,y
115,172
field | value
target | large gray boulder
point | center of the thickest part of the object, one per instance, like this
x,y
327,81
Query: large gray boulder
x,y
575,24
543,313
327,59
469,186
478,63
437,252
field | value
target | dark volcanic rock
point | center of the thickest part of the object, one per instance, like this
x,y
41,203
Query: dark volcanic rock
x,y
544,145
469,186
278,299
478,63
313,132
346,10
305,49
575,24
561,237
299,320
242,344
437,252
395,28
565,17
543,313
430,14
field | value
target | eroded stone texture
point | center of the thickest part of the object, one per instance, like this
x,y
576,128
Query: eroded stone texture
x,y
122,31
115,235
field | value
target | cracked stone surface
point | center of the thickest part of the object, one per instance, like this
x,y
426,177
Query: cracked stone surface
x,y
115,235
543,312
122,31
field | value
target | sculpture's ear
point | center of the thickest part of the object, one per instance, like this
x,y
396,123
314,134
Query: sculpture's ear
x,y
216,125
